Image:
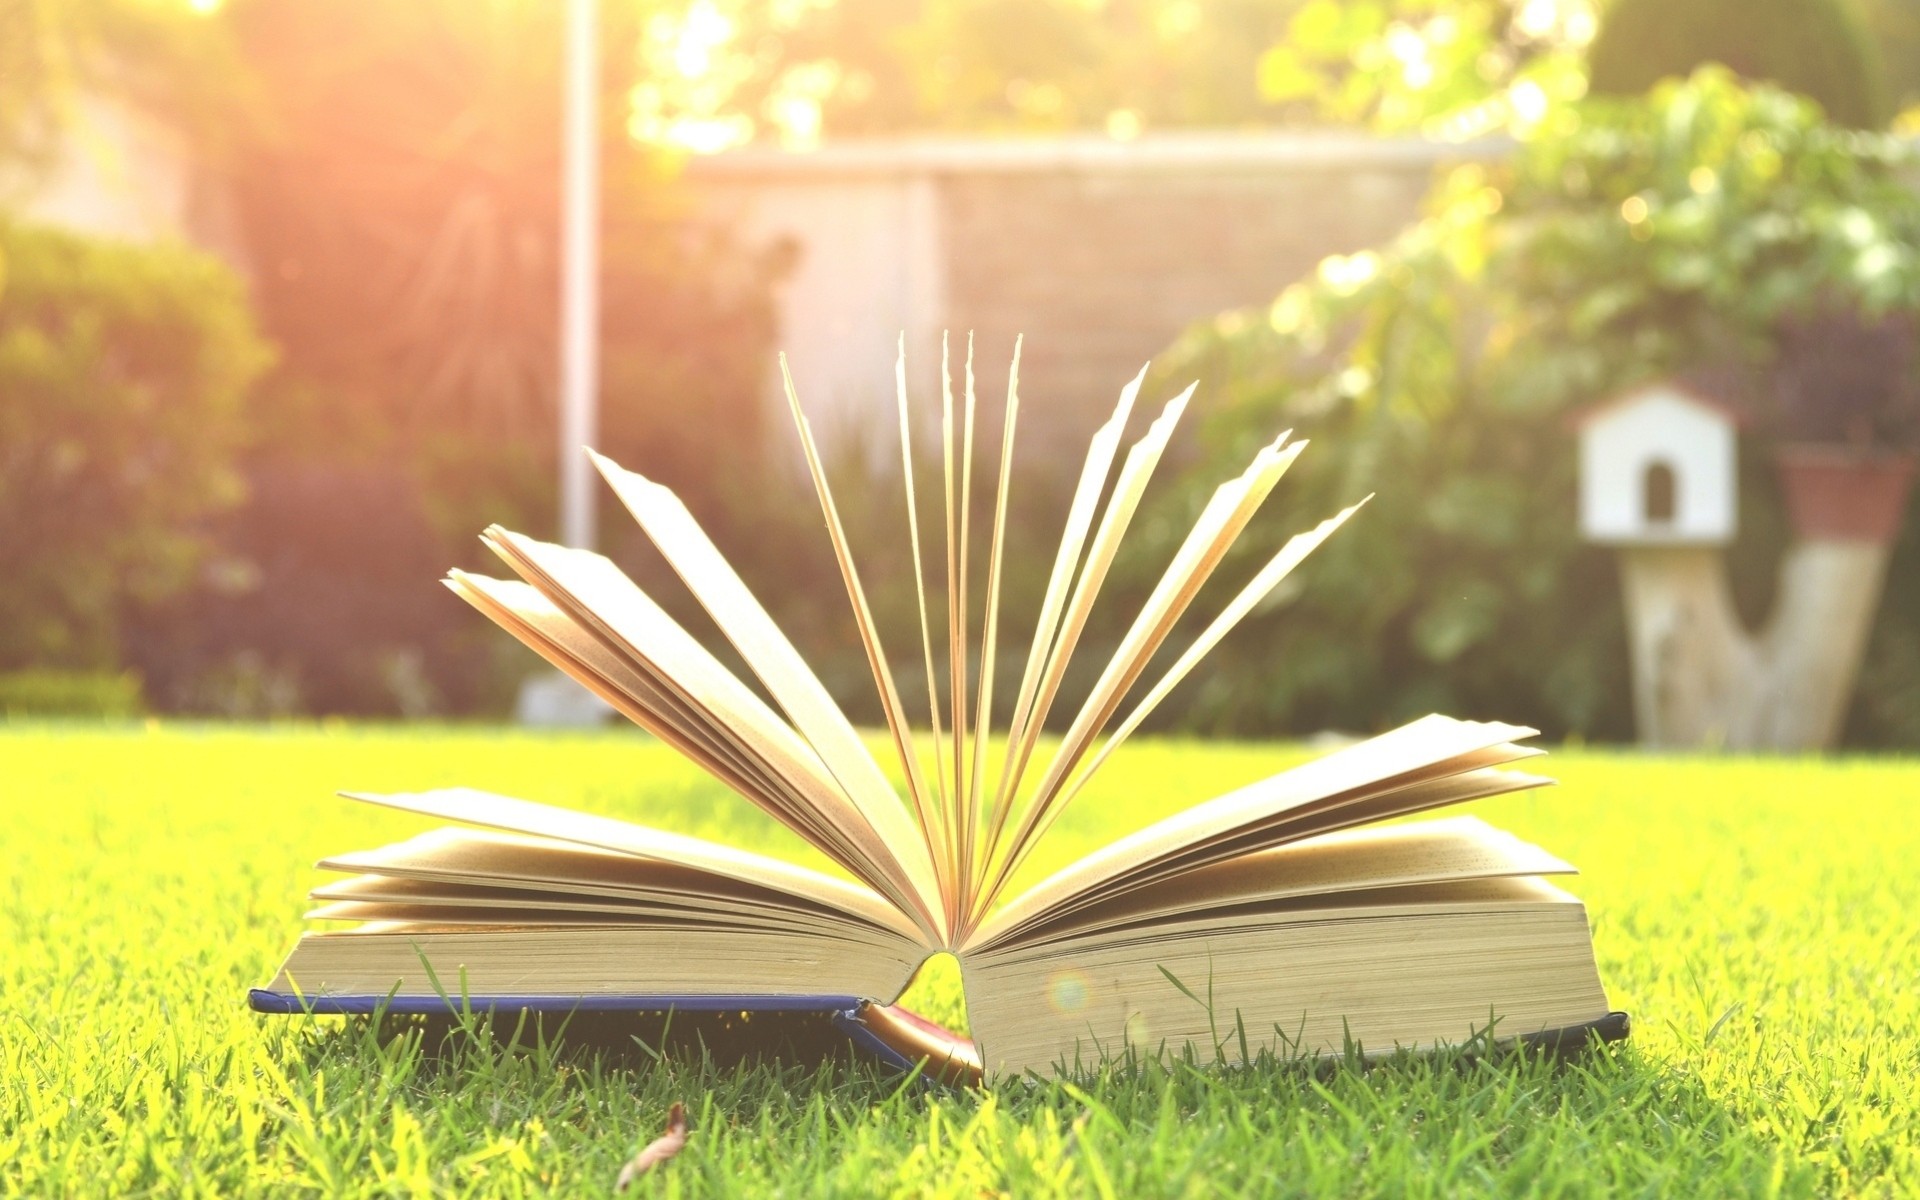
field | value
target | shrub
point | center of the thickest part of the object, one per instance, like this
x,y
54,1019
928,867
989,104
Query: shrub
x,y
1843,379
122,373
45,693
327,601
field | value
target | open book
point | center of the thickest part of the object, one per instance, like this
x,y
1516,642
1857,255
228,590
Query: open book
x,y
1273,917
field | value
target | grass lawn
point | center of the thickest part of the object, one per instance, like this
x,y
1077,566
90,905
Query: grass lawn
x,y
1760,919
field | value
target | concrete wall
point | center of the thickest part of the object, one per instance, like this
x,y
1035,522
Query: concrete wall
x,y
120,172
1100,252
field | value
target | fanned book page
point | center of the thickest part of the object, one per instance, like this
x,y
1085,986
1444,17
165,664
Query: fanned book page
x,y
1283,911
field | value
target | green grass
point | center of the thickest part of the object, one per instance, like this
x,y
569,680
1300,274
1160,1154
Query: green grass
x,y
1760,919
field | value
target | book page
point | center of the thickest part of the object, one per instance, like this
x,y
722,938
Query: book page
x,y
1080,513
501,915
1447,850
1432,746
772,657
935,814
527,614
1259,588
988,648
379,897
433,913
456,861
521,610
1420,791
957,595
1135,473
1101,450
1416,793
936,903
1226,514
385,899
640,841
599,596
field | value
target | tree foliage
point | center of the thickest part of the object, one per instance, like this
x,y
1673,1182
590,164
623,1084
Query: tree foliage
x,y
1624,239
737,69
1457,68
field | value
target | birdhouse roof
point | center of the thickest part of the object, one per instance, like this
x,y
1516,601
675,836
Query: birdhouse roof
x,y
1693,393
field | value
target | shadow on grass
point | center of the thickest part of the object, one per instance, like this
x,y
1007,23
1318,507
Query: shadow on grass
x,y
791,1047
1496,1112
695,1050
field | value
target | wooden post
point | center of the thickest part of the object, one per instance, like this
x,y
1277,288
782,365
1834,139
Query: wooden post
x,y
1701,679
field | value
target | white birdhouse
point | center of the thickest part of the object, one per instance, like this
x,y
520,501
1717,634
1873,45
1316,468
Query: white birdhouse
x,y
1657,469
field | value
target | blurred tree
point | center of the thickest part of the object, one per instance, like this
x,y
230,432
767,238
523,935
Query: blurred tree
x,y
396,190
723,72
1455,68
403,212
1817,48
165,55
1893,26
720,72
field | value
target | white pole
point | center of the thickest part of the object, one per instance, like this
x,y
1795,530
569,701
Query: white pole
x,y
579,273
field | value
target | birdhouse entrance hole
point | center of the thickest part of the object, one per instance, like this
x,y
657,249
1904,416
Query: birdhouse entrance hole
x,y
1658,493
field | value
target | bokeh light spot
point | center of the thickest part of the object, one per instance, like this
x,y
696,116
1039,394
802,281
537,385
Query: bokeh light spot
x,y
1068,991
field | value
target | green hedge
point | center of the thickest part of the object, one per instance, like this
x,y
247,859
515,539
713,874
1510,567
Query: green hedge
x,y
123,369
70,694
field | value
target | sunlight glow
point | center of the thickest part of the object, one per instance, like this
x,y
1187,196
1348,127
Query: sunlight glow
x,y
690,77
1347,274
796,107
1568,22
1410,48
1530,102
703,31
1536,18
798,119
696,135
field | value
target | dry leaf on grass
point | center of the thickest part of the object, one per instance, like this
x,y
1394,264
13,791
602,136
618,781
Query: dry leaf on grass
x,y
658,1150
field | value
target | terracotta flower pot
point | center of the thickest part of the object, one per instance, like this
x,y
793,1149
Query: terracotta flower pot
x,y
1839,493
